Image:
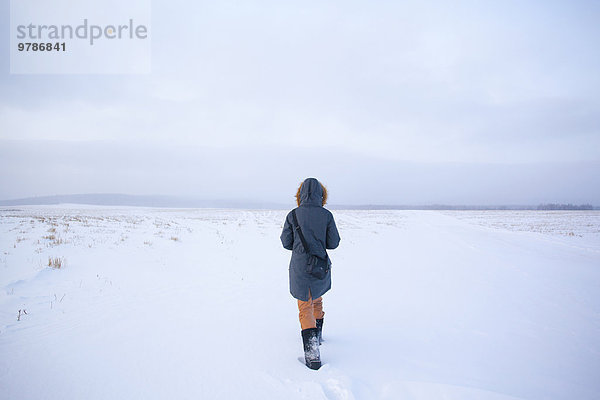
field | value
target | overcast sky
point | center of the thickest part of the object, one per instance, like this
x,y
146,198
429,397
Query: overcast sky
x,y
403,102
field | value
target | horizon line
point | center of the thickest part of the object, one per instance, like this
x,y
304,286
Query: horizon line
x,y
231,203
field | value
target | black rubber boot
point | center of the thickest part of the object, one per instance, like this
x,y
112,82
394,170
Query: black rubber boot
x,y
312,356
320,329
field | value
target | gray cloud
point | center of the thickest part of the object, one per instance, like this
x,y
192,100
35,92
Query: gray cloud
x,y
269,173
424,87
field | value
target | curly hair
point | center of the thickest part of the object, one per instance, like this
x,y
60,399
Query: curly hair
x,y
324,194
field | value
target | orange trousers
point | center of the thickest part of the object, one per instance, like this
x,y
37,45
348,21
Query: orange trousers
x,y
310,311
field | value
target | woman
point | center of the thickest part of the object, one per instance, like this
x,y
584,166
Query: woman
x,y
317,226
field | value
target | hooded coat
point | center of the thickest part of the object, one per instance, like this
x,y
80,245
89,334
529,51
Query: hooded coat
x,y
320,233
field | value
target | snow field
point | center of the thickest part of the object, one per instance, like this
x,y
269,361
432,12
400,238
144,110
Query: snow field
x,y
153,303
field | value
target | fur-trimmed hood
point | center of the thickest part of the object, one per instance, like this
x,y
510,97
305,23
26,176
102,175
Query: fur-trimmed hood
x,y
311,191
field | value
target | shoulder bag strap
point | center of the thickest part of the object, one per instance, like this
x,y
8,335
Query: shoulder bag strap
x,y
297,229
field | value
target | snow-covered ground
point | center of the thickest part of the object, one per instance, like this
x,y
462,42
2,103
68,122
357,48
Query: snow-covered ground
x,y
194,304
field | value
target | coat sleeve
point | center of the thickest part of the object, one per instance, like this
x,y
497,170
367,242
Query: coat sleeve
x,y
287,236
333,237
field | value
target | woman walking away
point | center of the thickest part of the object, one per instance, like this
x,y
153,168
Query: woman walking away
x,y
308,231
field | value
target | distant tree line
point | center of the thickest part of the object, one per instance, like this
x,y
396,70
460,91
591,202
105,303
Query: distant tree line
x,y
565,207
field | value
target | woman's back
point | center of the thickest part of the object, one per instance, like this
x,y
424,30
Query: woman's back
x,y
316,222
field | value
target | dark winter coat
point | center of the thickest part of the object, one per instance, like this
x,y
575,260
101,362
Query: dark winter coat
x,y
319,231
